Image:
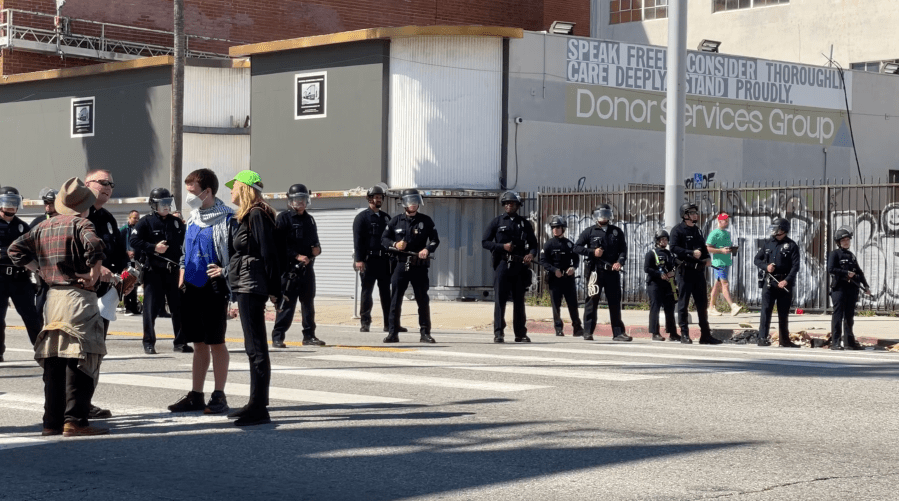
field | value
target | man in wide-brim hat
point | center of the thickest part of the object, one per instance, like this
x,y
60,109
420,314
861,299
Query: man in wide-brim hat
x,y
68,254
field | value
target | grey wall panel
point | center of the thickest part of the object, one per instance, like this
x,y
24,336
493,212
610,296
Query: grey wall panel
x,y
345,149
462,264
132,138
334,274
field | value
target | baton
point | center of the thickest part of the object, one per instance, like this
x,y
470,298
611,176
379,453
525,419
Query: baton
x,y
776,281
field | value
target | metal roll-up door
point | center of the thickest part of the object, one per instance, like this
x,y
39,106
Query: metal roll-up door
x,y
334,274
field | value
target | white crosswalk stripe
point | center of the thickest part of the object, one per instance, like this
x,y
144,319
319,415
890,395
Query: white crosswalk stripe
x,y
530,371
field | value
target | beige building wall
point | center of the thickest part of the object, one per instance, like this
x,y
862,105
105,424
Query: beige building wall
x,y
800,31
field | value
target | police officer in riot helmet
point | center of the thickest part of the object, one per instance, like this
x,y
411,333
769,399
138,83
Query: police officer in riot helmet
x,y
659,266
412,238
15,281
371,259
297,227
157,240
688,245
48,196
511,240
561,262
778,263
846,280
604,247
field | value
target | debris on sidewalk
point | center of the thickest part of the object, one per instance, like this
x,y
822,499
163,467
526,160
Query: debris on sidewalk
x,y
894,347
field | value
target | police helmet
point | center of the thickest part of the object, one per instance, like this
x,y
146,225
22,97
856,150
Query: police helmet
x,y
411,197
841,234
603,212
48,195
375,190
162,198
10,198
558,222
686,208
510,197
296,194
662,234
779,224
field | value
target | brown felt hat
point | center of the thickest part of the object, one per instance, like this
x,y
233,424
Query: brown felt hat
x,y
74,198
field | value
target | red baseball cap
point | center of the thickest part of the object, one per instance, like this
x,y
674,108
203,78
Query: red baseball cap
x,y
722,216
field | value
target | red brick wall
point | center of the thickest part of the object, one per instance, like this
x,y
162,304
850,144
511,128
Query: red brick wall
x,y
249,21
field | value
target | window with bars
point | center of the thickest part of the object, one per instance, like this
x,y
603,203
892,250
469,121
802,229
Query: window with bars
x,y
725,5
627,11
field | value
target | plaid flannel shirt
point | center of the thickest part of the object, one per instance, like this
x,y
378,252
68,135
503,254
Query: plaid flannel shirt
x,y
62,247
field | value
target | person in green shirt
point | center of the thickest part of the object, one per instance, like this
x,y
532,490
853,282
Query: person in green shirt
x,y
720,247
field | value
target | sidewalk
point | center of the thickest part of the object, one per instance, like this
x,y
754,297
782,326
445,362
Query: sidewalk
x,y
477,316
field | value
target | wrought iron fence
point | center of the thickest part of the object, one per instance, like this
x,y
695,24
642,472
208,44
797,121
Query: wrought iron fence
x,y
815,210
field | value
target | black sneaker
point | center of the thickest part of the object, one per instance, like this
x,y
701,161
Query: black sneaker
x,y
523,339
253,417
218,404
622,337
183,348
193,401
313,341
98,413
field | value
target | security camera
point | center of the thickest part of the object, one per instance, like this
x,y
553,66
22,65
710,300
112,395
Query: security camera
x,y
519,120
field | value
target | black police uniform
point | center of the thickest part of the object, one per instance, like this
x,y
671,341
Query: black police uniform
x,y
132,305
611,240
558,255
40,298
116,259
657,262
511,274
844,295
691,278
160,276
367,230
785,256
419,232
15,284
298,281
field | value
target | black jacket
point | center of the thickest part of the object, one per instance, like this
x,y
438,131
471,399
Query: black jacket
x,y
653,269
839,263
253,267
367,230
114,245
152,229
686,239
785,256
613,243
558,254
9,232
418,231
512,229
299,233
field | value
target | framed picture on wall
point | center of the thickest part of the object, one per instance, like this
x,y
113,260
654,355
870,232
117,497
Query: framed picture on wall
x,y
310,95
83,117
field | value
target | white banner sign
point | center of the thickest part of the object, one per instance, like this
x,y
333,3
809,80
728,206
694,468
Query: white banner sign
x,y
644,67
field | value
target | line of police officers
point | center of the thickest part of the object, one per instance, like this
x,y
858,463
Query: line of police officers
x,y
396,252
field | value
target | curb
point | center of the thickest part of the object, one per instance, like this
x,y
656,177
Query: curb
x,y
642,331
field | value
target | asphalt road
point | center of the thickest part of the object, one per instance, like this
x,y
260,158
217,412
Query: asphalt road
x,y
557,419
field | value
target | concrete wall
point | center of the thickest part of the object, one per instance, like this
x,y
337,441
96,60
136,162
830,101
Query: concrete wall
x,y
132,139
547,150
343,150
798,31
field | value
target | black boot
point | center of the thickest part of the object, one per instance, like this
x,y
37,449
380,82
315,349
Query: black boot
x,y
657,337
559,332
253,416
685,338
426,338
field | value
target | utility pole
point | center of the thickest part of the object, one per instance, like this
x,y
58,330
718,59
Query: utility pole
x,y
177,104
677,103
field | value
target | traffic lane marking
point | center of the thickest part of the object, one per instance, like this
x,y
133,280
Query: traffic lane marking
x,y
531,371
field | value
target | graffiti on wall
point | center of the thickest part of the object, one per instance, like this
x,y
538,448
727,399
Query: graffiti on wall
x,y
875,243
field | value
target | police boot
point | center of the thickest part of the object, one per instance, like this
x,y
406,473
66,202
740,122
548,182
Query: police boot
x,y
658,337
559,332
673,336
785,342
426,338
365,328
685,338
588,337
618,334
523,339
578,331
763,340
392,338
709,339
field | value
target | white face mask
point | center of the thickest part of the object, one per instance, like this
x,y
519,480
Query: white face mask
x,y
193,201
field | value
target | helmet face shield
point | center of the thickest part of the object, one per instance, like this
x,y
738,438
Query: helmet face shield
x,y
165,205
10,201
412,199
602,214
294,200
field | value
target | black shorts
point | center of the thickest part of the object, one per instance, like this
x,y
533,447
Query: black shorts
x,y
204,315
